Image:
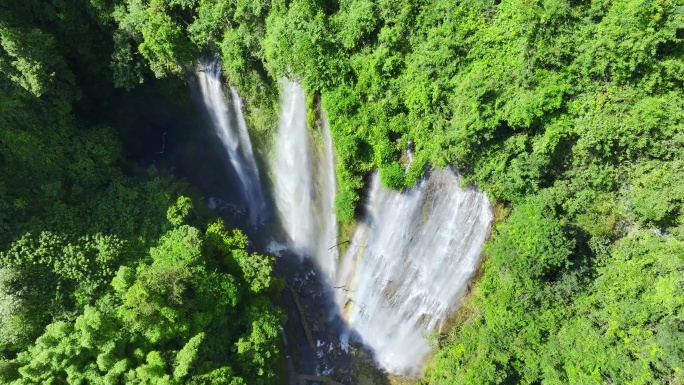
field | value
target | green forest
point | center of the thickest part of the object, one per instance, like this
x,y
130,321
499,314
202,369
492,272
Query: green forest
x,y
569,114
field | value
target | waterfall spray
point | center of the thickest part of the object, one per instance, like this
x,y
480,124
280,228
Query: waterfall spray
x,y
408,265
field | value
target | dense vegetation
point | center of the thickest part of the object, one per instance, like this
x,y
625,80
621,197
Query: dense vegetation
x,y
108,274
570,114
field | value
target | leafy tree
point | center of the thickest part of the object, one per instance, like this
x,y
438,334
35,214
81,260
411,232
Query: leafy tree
x,y
656,196
178,213
532,243
186,356
157,27
156,325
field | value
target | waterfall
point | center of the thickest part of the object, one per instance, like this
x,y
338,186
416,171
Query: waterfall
x,y
304,181
407,266
231,128
408,262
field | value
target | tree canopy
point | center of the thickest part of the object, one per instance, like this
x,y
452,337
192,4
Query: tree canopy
x,y
569,114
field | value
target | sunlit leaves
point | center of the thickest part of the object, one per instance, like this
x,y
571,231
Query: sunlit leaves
x,y
152,328
532,242
158,28
29,58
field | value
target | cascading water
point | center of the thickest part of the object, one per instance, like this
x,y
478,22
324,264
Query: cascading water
x,y
304,176
407,266
409,261
326,183
231,129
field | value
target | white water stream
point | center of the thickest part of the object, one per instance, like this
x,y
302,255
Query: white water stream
x,y
304,178
407,267
231,128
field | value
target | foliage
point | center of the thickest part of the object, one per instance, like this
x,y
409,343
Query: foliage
x,y
161,310
532,243
569,113
107,274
